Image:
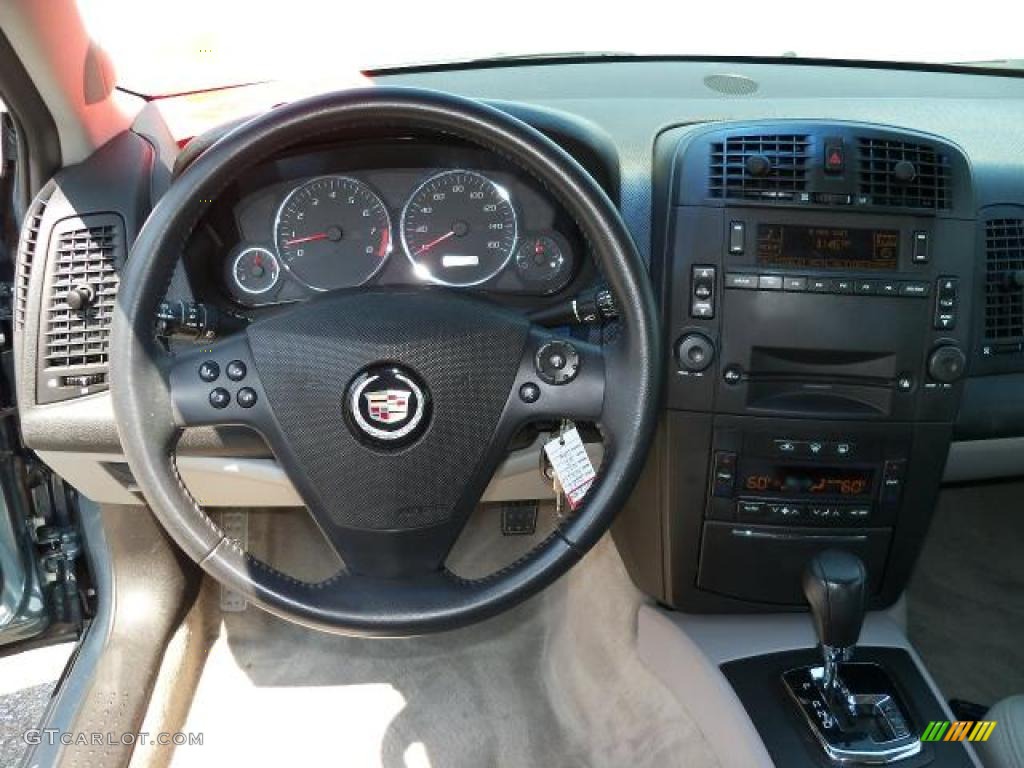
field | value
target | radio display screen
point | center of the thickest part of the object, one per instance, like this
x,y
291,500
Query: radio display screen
x,y
783,480
801,247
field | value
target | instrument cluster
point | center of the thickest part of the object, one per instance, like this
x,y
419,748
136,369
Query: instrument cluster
x,y
319,222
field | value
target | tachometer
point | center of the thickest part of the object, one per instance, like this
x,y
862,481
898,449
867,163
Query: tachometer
x,y
333,232
459,228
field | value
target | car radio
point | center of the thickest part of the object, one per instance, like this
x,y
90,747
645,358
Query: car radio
x,y
818,306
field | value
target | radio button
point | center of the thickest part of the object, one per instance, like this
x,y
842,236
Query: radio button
x,y
695,352
736,237
794,283
919,253
889,288
740,280
770,282
815,448
702,292
818,285
733,374
914,288
788,447
866,287
842,286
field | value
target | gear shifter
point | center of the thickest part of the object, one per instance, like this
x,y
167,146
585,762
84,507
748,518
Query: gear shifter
x,y
834,583
854,709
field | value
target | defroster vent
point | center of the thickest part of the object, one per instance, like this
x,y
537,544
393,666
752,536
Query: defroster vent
x,y
903,174
1004,280
27,245
759,167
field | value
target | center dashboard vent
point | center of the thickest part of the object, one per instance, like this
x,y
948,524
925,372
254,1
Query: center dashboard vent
x,y
1004,280
903,174
759,167
85,258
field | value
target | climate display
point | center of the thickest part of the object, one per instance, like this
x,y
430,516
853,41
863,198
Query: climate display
x,y
808,481
801,247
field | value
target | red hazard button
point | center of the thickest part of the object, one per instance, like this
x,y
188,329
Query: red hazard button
x,y
834,159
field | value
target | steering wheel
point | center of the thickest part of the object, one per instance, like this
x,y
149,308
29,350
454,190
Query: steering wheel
x,y
390,498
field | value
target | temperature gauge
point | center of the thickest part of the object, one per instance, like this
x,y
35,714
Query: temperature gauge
x,y
540,260
255,271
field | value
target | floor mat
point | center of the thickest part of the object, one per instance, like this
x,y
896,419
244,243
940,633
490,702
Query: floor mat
x,y
555,682
965,603
27,681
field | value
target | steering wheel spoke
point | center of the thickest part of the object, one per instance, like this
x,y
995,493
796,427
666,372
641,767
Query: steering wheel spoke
x,y
558,378
218,384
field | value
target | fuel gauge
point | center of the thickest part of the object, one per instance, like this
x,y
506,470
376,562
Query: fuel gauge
x,y
255,271
540,260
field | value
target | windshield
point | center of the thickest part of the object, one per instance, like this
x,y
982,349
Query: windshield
x,y
205,44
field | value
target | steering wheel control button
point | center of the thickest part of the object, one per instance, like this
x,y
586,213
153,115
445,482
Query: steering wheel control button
x,y
209,371
386,405
529,392
557,362
220,398
246,397
236,370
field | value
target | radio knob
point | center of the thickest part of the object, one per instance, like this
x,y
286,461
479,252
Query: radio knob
x,y
695,352
946,364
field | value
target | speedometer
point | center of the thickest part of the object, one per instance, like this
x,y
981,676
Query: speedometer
x,y
333,232
459,228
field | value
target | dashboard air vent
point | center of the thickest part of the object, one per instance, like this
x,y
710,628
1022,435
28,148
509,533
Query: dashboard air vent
x,y
902,174
1004,279
27,251
82,293
759,167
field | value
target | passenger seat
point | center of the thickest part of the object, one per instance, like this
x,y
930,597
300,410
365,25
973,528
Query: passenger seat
x,y
1005,747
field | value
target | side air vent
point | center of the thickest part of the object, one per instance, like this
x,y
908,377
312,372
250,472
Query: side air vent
x,y
903,174
27,245
759,167
84,262
1004,279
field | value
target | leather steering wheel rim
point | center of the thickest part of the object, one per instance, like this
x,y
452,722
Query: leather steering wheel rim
x,y
149,408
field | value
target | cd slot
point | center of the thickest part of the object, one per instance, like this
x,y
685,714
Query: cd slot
x,y
808,381
809,394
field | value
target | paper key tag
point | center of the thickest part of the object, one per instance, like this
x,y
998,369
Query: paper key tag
x,y
571,465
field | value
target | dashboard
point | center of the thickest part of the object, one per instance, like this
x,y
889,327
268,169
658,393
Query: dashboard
x,y
840,336
405,212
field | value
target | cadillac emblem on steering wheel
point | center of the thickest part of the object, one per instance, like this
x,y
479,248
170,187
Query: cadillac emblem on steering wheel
x,y
387,405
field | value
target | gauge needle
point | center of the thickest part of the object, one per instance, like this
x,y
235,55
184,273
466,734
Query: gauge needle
x,y
434,242
307,238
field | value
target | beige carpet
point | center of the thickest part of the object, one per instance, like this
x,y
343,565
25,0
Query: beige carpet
x,y
965,604
555,682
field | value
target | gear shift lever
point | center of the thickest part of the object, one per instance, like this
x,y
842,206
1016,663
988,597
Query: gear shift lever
x,y
834,583
853,709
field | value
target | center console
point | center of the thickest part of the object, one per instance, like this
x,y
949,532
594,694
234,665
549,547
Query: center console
x,y
817,283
